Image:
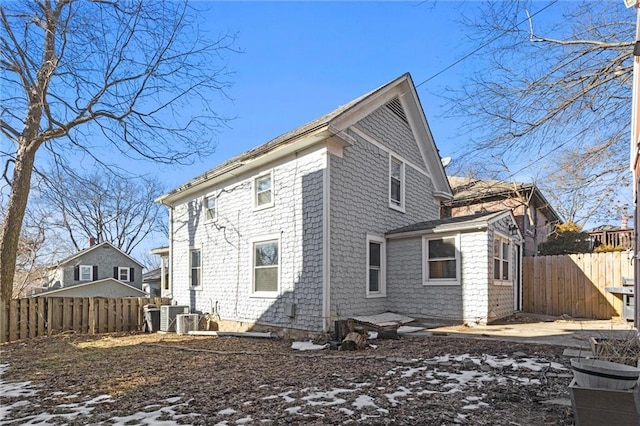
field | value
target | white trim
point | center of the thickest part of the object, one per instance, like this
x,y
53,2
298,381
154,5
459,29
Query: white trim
x,y
210,196
121,268
392,204
255,191
80,272
503,239
364,135
326,245
382,291
425,261
199,286
252,243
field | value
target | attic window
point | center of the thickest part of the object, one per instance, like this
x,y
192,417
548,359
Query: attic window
x,y
396,107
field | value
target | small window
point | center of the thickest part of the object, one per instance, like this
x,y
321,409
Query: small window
x,y
123,274
266,265
86,273
442,260
396,184
263,187
196,268
501,260
210,210
376,260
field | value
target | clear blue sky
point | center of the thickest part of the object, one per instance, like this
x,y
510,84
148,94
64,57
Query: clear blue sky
x,y
303,59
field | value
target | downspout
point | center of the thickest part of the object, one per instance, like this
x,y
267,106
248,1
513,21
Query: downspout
x,y
326,240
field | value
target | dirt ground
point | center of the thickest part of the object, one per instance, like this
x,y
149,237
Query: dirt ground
x,y
169,379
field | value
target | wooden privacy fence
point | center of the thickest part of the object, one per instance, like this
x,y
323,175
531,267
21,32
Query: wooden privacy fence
x,y
44,316
575,284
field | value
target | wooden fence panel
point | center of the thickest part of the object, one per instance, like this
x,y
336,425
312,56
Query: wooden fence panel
x,y
40,316
575,284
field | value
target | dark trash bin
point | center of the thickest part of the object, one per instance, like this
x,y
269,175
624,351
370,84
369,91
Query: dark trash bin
x,y
151,321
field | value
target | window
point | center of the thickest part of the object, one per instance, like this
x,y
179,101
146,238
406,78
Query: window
x,y
396,184
376,265
195,262
442,260
263,187
123,274
86,273
210,210
266,265
501,259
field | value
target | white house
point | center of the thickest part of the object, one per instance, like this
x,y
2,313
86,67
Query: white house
x,y
295,233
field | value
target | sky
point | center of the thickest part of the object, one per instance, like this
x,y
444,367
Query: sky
x,y
300,60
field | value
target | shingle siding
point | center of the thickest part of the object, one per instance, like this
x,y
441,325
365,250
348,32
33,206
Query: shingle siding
x,y
226,244
360,206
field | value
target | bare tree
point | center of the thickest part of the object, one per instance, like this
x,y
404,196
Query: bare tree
x,y
548,86
111,208
77,75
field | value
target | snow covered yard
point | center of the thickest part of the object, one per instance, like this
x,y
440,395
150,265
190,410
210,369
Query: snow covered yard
x,y
165,379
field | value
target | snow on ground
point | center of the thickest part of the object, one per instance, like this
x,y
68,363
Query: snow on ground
x,y
353,401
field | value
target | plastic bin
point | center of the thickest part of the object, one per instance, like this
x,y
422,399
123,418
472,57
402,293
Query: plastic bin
x,y
151,323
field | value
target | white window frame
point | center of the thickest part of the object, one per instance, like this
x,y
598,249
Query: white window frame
x,y
122,268
257,206
502,239
210,214
382,283
80,268
426,280
197,268
397,204
252,267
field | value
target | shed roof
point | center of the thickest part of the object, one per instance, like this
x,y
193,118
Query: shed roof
x,y
451,224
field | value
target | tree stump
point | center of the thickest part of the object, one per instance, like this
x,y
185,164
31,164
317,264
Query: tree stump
x,y
353,341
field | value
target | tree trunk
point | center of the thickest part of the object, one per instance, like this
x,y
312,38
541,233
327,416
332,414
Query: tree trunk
x,y
12,225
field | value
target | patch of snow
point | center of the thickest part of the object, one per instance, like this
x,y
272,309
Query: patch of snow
x,y
401,392
308,346
372,335
227,412
293,410
406,329
364,401
327,398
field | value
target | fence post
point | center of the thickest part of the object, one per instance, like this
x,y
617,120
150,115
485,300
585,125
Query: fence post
x,y
92,315
4,321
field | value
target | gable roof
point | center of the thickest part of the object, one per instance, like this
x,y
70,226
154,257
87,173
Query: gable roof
x,y
472,222
113,281
92,248
333,124
468,191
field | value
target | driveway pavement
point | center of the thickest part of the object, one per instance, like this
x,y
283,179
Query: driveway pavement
x,y
562,331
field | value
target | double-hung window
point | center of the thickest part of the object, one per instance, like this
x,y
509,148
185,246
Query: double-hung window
x,y
501,261
441,260
86,273
266,266
123,274
210,209
376,266
195,263
396,183
263,191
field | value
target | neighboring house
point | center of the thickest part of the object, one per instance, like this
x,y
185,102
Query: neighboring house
x,y
151,282
533,213
102,270
298,232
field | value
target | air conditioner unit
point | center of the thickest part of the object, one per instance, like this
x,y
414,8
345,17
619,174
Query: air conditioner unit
x,y
186,323
168,315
